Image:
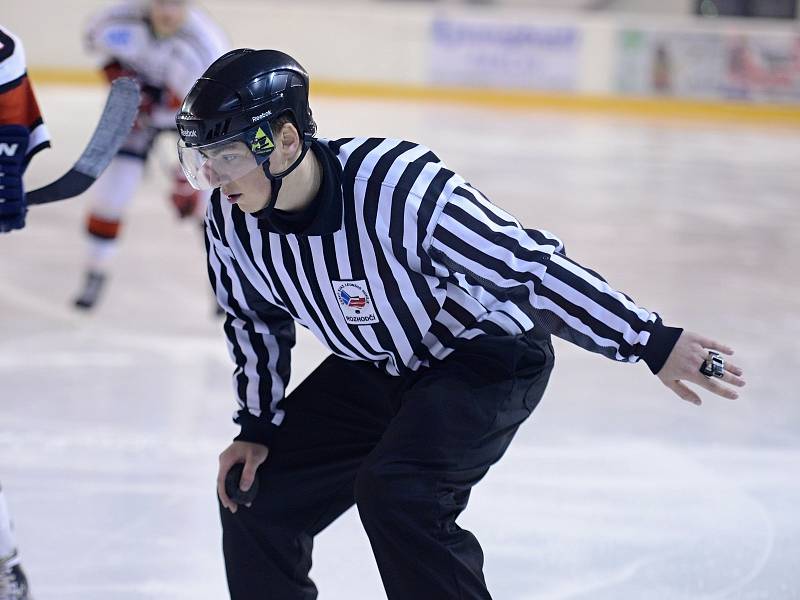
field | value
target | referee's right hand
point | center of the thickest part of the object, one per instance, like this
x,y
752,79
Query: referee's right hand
x,y
249,453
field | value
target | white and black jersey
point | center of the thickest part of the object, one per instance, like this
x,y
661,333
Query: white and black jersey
x,y
18,105
401,262
123,34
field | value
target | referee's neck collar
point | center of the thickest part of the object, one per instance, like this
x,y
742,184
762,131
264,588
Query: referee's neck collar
x,y
327,203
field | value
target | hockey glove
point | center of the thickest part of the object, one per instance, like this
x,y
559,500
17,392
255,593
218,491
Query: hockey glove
x,y
150,95
114,70
184,197
13,146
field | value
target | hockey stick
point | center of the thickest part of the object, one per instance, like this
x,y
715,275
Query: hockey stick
x,y
112,129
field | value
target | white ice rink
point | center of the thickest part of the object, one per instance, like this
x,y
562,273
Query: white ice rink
x,y
111,423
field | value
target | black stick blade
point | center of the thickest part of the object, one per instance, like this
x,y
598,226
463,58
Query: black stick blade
x,y
112,129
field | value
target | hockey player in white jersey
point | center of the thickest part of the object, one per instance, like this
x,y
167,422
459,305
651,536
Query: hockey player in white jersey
x,y
22,130
22,134
165,45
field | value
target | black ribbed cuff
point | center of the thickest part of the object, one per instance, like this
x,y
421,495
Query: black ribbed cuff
x,y
258,430
662,341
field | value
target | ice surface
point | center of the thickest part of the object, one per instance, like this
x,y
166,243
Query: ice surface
x,y
111,423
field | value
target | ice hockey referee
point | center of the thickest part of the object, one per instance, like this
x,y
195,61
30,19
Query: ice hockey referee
x,y
437,306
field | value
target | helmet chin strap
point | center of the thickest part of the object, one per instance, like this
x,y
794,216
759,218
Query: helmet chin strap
x,y
277,180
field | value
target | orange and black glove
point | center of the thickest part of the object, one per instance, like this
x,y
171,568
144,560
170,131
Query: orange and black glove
x,y
184,197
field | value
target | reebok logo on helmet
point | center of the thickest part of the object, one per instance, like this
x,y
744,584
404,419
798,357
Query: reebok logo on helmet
x,y
261,116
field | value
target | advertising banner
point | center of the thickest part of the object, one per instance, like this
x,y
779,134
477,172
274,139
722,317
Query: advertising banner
x,y
714,66
504,54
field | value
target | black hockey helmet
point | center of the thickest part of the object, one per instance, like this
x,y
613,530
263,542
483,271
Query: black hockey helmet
x,y
225,121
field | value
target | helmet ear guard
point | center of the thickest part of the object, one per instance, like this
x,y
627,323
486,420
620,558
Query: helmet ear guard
x,y
277,180
306,139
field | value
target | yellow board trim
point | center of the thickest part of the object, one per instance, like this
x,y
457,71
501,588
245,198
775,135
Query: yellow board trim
x,y
65,76
779,114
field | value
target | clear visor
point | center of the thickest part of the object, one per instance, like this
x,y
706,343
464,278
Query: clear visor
x,y
214,165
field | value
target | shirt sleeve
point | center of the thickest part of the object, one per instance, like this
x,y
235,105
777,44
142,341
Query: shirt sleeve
x,y
260,338
530,267
199,43
118,33
18,104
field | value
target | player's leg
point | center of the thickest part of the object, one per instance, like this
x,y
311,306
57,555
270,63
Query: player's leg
x,y
13,584
189,204
455,421
110,197
334,419
203,198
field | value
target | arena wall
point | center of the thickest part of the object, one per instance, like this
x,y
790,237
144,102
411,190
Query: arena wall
x,y
512,56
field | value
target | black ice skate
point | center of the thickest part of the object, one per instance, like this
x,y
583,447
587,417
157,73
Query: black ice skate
x,y
91,290
13,583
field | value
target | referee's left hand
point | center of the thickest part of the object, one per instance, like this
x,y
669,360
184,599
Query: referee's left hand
x,y
683,365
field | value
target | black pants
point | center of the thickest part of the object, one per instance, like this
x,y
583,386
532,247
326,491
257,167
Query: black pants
x,y
406,450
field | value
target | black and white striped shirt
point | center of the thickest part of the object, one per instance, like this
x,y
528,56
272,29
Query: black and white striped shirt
x,y
124,33
403,261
